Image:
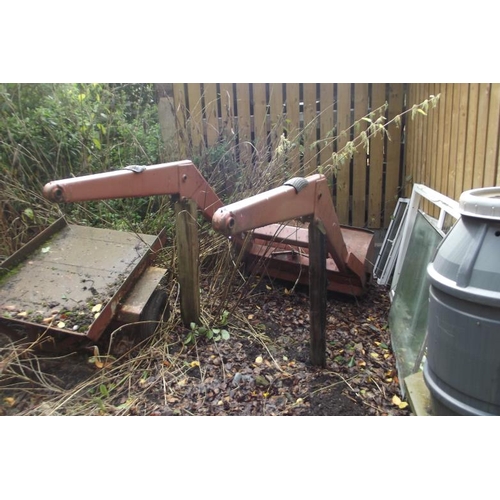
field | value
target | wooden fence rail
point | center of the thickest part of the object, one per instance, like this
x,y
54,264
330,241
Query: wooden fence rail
x,y
256,116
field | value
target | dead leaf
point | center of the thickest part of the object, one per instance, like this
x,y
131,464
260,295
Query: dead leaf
x,y
97,308
61,324
403,405
258,360
396,400
374,355
22,314
10,402
250,316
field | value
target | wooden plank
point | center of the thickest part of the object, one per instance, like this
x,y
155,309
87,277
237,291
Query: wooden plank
x,y
343,177
421,138
440,169
421,124
310,123
326,125
481,134
409,141
462,138
188,253
180,116
452,160
276,117
195,119
393,155
260,121
317,295
470,146
226,110
490,167
359,160
211,116
376,164
244,124
445,160
275,102
414,125
293,125
428,152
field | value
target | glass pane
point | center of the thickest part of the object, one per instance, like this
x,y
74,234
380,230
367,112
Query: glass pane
x,y
408,314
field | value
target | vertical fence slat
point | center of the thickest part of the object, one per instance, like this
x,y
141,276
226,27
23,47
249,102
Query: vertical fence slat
x,y
471,136
429,151
441,112
180,113
212,122
260,120
452,159
481,134
326,124
244,125
309,128
393,152
461,141
376,162
420,160
195,117
446,168
226,110
292,125
343,181
492,138
359,160
275,114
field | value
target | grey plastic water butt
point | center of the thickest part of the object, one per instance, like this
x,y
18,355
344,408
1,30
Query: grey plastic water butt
x,y
462,370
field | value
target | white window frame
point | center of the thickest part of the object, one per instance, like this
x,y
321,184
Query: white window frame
x,y
446,205
391,246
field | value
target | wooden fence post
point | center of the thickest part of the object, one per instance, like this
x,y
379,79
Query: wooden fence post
x,y
317,294
188,253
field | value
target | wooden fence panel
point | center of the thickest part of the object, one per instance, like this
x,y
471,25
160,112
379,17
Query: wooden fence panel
x,y
454,148
460,146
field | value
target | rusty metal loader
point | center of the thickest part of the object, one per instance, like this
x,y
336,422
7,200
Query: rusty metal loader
x,y
279,249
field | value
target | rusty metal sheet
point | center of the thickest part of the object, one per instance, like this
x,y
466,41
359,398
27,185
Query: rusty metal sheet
x,y
63,282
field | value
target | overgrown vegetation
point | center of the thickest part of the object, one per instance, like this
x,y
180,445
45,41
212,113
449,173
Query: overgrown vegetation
x,y
54,131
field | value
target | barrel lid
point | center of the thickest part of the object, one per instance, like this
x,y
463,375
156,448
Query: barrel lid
x,y
482,202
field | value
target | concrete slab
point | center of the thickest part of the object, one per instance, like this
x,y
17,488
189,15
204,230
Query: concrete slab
x,y
418,395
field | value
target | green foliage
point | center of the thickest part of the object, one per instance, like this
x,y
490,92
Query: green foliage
x,y
215,334
55,131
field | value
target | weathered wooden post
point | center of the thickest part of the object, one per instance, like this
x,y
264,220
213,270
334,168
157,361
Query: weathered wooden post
x,y
317,294
188,253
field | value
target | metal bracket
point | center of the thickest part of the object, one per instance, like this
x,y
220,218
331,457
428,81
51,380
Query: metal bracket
x,y
298,183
